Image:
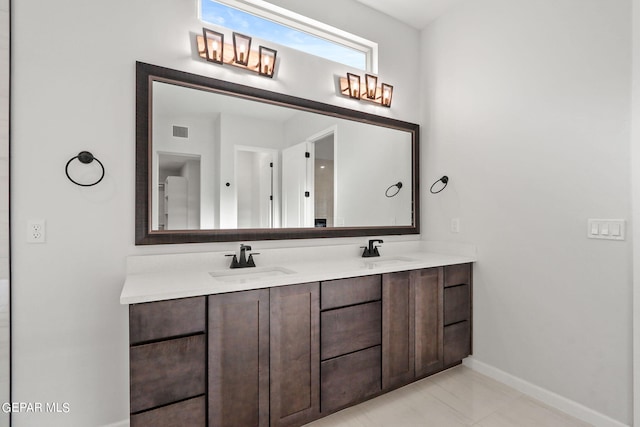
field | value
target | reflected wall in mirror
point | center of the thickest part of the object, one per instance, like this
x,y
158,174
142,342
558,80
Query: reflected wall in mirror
x,y
217,161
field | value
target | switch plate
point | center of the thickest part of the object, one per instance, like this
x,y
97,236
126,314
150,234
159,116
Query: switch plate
x,y
606,229
455,225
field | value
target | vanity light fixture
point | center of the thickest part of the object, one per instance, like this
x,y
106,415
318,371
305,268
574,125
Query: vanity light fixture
x,y
267,61
214,45
353,81
352,87
211,46
372,85
241,48
387,94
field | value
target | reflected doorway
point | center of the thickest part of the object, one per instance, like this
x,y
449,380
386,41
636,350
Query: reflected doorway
x,y
309,184
324,182
178,191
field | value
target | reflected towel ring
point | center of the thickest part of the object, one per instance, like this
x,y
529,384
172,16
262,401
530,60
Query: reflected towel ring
x,y
399,185
84,157
444,180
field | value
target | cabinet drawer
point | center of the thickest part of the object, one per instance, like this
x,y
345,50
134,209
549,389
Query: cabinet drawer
x,y
350,379
166,372
190,412
165,319
456,304
350,329
356,290
457,342
457,275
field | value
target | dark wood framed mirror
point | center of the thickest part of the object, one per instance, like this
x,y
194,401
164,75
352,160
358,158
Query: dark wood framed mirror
x,y
218,161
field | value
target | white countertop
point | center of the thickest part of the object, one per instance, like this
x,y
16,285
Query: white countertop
x,y
162,277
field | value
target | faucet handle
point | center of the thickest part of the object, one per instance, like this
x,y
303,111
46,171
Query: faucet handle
x,y
234,261
250,261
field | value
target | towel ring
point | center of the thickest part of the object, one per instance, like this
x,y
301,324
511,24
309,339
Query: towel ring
x,y
84,157
399,185
444,180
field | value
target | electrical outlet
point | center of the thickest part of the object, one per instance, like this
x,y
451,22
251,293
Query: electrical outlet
x,y
36,231
455,225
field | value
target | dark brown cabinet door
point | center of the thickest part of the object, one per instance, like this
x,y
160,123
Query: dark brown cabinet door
x,y
166,372
398,329
458,303
349,329
457,339
154,321
351,291
428,284
238,375
349,379
295,354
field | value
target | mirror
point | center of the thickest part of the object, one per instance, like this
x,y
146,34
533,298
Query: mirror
x,y
218,161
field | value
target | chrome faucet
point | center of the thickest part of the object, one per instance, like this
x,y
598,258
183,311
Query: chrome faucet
x,y
372,250
243,262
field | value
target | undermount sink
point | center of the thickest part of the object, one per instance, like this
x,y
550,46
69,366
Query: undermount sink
x,y
244,275
384,261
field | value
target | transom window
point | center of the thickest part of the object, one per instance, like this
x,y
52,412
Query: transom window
x,y
266,21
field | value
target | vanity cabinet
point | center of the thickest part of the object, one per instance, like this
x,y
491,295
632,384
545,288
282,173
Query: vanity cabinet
x,y
295,354
287,355
350,344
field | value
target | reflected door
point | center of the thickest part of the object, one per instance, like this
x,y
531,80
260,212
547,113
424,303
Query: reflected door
x,y
297,185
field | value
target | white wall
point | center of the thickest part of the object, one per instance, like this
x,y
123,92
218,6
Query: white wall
x,y
527,111
77,92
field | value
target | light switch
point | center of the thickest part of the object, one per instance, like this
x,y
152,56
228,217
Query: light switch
x,y
606,229
615,230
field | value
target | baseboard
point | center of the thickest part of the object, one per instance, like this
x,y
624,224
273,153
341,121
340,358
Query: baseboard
x,y
123,423
545,396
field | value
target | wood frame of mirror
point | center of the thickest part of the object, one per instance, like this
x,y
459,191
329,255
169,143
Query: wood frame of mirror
x,y
146,74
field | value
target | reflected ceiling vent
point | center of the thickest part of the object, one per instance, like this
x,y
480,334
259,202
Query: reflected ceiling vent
x,y
180,131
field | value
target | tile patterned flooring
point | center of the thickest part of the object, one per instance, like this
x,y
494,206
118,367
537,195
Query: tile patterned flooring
x,y
454,398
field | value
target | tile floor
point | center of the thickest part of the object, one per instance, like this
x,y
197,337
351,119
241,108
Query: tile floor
x,y
456,397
